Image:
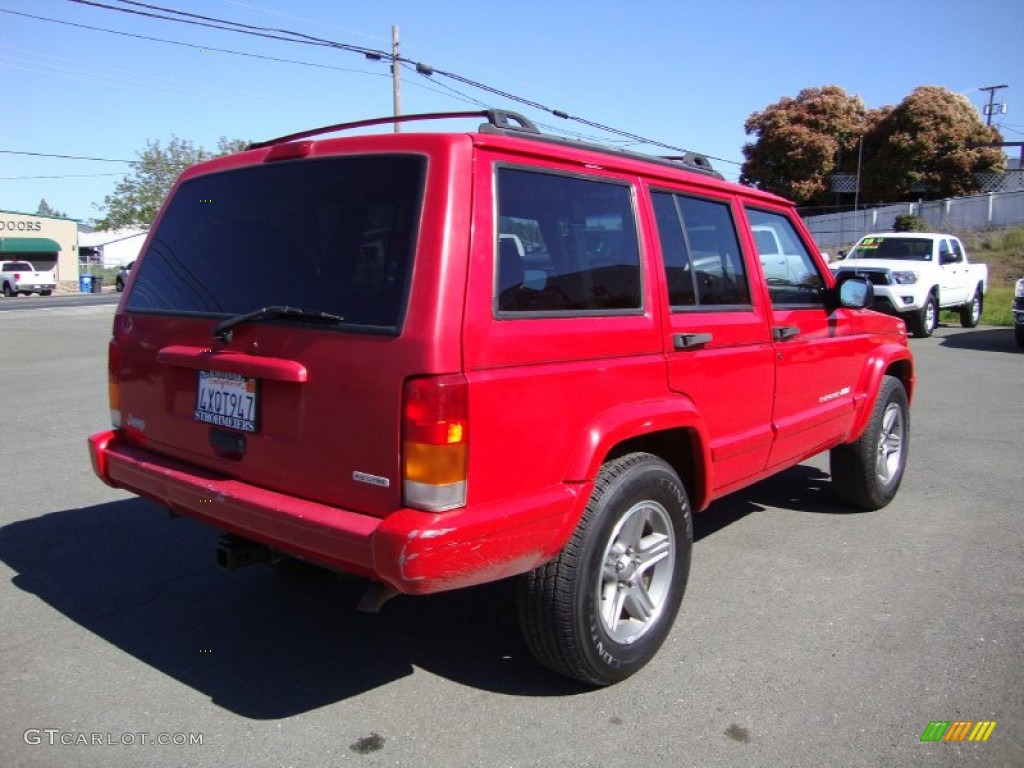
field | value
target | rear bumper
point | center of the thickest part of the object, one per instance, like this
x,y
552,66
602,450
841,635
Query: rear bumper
x,y
414,552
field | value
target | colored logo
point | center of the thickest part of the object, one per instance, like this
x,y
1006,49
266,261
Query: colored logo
x,y
958,730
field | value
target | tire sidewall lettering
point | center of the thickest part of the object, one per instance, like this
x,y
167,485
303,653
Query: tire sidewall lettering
x,y
617,659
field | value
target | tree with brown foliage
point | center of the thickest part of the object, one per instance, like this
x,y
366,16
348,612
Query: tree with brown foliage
x,y
801,142
918,149
921,149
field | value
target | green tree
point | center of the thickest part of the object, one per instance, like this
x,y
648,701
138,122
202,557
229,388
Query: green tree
x,y
44,209
137,197
921,149
801,142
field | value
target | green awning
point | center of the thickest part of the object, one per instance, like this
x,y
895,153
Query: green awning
x,y
28,245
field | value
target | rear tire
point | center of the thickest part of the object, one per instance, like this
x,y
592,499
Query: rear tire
x,y
970,313
1018,332
8,291
867,473
600,611
45,293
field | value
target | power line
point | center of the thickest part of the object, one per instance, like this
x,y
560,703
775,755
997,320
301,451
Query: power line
x,y
227,25
66,157
65,176
285,35
192,45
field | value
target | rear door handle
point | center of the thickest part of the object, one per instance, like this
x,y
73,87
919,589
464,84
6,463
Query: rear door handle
x,y
783,332
681,341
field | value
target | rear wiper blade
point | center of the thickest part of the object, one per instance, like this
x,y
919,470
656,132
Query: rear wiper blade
x,y
222,330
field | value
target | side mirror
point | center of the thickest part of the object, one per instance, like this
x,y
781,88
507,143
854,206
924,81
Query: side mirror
x,y
856,293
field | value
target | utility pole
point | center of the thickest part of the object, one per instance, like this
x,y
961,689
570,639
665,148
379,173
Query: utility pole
x,y
991,98
395,79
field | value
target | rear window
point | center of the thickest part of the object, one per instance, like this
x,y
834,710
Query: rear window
x,y
335,235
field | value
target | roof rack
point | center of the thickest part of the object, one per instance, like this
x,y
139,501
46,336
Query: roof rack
x,y
503,122
497,118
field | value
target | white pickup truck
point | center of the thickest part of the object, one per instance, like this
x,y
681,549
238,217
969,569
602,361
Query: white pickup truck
x,y
915,274
21,277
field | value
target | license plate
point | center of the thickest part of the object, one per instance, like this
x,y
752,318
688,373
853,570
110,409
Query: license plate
x,y
227,400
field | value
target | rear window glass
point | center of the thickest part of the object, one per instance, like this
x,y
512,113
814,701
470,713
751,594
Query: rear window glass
x,y
566,244
335,235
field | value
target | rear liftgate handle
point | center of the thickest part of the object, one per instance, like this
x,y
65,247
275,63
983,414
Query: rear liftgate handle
x,y
690,341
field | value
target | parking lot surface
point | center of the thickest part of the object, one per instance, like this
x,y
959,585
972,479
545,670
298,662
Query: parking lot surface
x,y
810,635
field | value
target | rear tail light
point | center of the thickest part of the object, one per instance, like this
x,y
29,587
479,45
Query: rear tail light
x,y
435,442
113,385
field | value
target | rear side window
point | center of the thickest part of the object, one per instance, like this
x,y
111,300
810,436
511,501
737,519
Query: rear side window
x,y
565,244
333,234
703,263
958,253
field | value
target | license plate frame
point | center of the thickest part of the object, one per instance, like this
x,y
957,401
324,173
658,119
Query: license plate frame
x,y
227,400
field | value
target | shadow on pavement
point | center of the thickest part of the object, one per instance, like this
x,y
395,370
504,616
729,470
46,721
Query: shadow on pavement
x,y
269,643
983,340
263,642
801,489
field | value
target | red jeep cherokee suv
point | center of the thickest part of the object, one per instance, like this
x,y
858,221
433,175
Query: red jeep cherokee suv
x,y
442,359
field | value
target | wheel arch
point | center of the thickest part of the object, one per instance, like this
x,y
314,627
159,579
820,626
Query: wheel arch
x,y
669,428
899,365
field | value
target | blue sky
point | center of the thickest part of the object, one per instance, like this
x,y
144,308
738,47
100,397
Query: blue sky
x,y
686,73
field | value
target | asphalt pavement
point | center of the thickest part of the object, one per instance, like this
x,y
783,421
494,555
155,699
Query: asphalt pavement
x,y
810,635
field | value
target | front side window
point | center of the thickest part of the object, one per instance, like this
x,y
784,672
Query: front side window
x,y
334,234
565,244
789,269
703,264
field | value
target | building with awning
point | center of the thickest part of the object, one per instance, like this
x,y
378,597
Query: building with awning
x,y
48,242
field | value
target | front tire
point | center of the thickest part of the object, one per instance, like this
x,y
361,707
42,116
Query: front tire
x,y
923,322
1018,332
867,473
600,611
970,313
